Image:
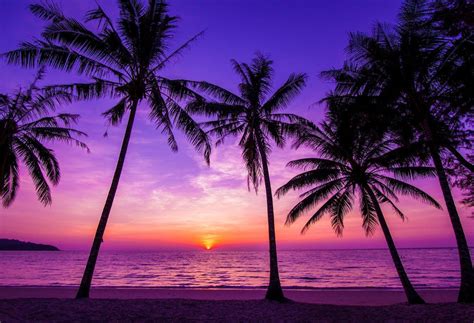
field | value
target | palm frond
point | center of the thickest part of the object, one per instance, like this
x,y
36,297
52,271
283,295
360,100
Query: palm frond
x,y
413,172
252,160
408,189
368,212
38,53
177,52
339,209
308,178
385,199
307,163
32,163
10,176
286,93
45,157
196,135
312,198
325,208
160,116
48,10
224,96
115,114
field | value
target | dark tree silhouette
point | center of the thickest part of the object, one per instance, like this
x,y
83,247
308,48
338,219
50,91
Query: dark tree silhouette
x,y
125,60
463,179
454,17
254,115
422,80
26,125
351,165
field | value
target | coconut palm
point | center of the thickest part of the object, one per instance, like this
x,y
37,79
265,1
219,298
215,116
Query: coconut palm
x,y
423,81
26,126
351,165
254,116
125,60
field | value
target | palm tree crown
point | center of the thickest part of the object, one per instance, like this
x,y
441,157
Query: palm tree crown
x,y
25,127
124,60
418,78
351,164
254,114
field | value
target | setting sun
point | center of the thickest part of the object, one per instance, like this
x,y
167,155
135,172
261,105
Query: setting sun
x,y
208,244
208,241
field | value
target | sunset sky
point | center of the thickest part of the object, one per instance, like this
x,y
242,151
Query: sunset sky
x,y
174,200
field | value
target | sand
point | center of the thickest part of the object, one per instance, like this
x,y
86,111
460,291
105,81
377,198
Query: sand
x,y
138,304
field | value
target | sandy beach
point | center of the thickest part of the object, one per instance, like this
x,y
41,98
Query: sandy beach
x,y
111,304
336,296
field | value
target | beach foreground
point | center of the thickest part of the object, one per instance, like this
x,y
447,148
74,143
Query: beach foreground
x,y
112,304
230,310
333,296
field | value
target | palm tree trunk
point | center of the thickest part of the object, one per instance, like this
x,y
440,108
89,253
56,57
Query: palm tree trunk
x,y
412,296
86,281
466,291
274,291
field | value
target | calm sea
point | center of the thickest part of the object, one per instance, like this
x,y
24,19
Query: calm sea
x,y
226,269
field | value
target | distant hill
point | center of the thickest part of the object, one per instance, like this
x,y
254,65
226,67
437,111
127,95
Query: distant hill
x,y
11,244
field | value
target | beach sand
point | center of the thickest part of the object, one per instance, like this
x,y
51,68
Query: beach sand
x,y
112,304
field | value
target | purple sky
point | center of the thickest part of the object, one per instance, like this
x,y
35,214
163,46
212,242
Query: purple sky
x,y
168,200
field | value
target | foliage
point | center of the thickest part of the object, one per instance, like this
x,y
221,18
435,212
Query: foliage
x,y
255,114
26,125
350,165
124,60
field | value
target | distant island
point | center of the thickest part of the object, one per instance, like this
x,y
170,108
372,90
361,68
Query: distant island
x,y
11,244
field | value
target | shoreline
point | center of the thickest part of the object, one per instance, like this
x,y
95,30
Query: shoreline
x,y
234,288
334,296
230,305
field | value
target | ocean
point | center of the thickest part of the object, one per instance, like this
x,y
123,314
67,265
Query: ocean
x,y
304,269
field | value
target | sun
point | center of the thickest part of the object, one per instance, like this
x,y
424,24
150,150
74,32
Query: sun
x,y
208,244
208,241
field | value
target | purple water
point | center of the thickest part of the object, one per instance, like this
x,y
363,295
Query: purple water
x,y
426,268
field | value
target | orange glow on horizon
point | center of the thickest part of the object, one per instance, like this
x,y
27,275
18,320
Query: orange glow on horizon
x,y
208,241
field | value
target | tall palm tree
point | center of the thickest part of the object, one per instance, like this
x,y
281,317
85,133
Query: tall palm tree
x,y
26,125
254,116
424,82
125,60
351,165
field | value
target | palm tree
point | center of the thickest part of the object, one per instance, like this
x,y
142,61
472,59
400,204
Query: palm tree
x,y
25,127
254,116
125,60
423,81
353,164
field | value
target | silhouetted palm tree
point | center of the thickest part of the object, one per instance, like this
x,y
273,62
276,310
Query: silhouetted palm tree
x,y
423,80
254,116
25,127
350,165
125,60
